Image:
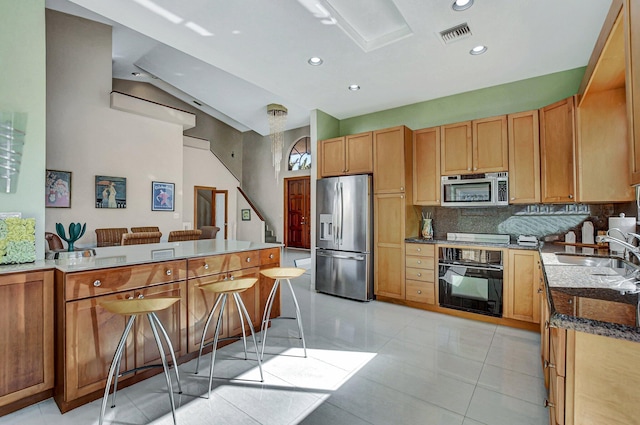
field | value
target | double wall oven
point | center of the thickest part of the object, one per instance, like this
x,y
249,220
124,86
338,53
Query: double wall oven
x,y
471,279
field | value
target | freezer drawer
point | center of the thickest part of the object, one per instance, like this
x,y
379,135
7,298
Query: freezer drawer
x,y
346,274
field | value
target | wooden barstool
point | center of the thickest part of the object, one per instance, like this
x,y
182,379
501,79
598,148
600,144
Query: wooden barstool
x,y
222,289
281,273
134,307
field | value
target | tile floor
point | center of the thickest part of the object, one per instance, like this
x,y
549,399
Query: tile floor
x,y
368,363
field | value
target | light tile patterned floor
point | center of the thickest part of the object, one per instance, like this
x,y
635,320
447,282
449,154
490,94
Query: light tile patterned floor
x,y
368,363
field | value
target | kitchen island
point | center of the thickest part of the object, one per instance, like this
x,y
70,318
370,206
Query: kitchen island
x,y
590,338
71,290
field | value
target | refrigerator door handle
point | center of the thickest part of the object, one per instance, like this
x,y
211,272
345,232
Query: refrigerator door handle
x,y
342,257
334,221
341,213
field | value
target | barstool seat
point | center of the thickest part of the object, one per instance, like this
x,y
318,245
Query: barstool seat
x,y
222,289
134,307
281,273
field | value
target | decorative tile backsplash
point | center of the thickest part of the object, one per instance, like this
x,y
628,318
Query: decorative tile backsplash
x,y
538,220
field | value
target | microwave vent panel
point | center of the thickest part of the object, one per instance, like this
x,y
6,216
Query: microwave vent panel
x,y
459,32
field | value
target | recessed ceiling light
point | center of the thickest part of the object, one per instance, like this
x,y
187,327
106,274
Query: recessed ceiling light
x,y
315,61
460,5
478,50
354,87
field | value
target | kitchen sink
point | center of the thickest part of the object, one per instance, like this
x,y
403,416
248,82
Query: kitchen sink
x,y
594,261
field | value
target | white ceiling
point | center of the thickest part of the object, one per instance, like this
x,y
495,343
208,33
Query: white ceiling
x,y
258,50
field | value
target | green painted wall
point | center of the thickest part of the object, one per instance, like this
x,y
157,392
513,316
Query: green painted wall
x,y
23,89
519,96
328,126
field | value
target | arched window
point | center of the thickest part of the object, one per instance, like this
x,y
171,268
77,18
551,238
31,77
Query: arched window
x,y
300,155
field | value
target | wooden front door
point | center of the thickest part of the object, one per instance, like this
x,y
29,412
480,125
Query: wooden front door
x,y
298,209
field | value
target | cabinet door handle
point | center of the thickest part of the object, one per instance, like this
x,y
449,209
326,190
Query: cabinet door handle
x,y
270,255
539,290
547,403
570,196
97,283
401,187
231,277
513,199
206,267
475,168
468,169
168,272
248,259
546,324
401,196
548,364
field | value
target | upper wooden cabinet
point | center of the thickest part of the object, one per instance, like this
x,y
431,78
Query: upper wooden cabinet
x,y
557,152
426,166
490,145
524,158
392,161
632,33
478,146
346,155
456,149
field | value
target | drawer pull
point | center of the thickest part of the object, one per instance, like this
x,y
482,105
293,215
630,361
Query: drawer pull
x,y
97,283
270,255
419,262
231,277
419,291
248,259
419,274
169,272
206,267
419,249
548,364
539,290
547,403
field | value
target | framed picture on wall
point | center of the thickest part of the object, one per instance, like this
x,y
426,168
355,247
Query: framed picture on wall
x,y
58,189
246,215
111,192
162,196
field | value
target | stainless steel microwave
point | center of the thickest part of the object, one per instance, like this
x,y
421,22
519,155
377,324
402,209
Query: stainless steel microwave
x,y
475,190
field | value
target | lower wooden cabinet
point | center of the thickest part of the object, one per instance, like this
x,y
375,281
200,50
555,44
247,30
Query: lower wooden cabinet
x,y
420,274
92,333
521,294
26,338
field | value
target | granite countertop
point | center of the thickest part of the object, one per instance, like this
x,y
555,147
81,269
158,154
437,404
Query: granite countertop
x,y
444,241
114,256
597,300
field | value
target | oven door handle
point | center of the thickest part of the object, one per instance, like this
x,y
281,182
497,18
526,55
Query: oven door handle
x,y
494,269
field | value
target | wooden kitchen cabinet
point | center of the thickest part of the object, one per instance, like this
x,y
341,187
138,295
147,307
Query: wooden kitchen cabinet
x,y
392,161
213,269
602,143
522,287
420,273
87,334
456,150
351,154
490,145
26,338
426,166
478,146
269,258
632,37
524,158
557,143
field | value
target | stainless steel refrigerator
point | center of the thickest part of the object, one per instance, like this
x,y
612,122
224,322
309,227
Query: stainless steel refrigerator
x,y
344,263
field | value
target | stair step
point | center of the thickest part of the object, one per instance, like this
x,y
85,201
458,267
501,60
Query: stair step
x,y
270,239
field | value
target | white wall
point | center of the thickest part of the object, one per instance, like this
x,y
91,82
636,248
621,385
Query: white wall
x,y
258,176
22,89
88,138
203,168
250,230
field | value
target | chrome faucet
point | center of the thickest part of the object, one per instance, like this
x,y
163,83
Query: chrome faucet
x,y
628,246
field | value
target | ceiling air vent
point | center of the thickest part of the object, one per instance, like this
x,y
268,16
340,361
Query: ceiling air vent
x,y
456,33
